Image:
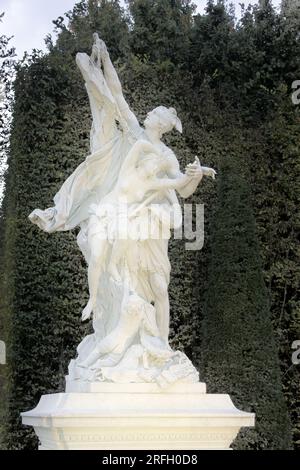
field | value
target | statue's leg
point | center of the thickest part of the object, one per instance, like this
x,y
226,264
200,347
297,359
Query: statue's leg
x,y
118,250
162,306
96,265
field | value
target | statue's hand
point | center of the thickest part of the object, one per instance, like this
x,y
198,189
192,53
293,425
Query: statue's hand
x,y
211,172
95,37
102,48
194,169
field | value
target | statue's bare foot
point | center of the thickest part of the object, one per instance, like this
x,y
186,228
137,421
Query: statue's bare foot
x,y
87,311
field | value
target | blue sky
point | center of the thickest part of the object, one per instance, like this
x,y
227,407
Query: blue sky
x,y
29,21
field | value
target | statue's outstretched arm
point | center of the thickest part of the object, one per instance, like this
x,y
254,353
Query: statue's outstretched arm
x,y
194,172
171,183
115,86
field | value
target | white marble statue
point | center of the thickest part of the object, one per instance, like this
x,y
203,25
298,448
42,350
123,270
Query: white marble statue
x,y
123,198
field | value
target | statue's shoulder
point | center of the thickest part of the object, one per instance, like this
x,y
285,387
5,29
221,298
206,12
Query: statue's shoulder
x,y
169,156
133,134
168,152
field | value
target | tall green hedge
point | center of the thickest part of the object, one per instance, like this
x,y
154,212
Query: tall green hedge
x,y
275,177
239,352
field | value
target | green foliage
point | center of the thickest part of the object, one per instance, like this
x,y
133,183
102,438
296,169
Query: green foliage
x,y
6,77
276,181
90,16
160,29
245,64
238,350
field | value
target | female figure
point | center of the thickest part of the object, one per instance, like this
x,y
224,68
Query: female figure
x,y
158,122
137,178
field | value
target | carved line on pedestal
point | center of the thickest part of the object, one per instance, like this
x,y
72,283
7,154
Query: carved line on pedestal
x,y
141,437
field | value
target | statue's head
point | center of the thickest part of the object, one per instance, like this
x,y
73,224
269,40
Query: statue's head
x,y
163,119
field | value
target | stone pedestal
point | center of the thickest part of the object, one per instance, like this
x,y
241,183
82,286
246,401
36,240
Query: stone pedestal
x,y
111,416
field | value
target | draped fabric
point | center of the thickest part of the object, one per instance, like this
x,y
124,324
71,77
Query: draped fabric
x,y
91,180
97,175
